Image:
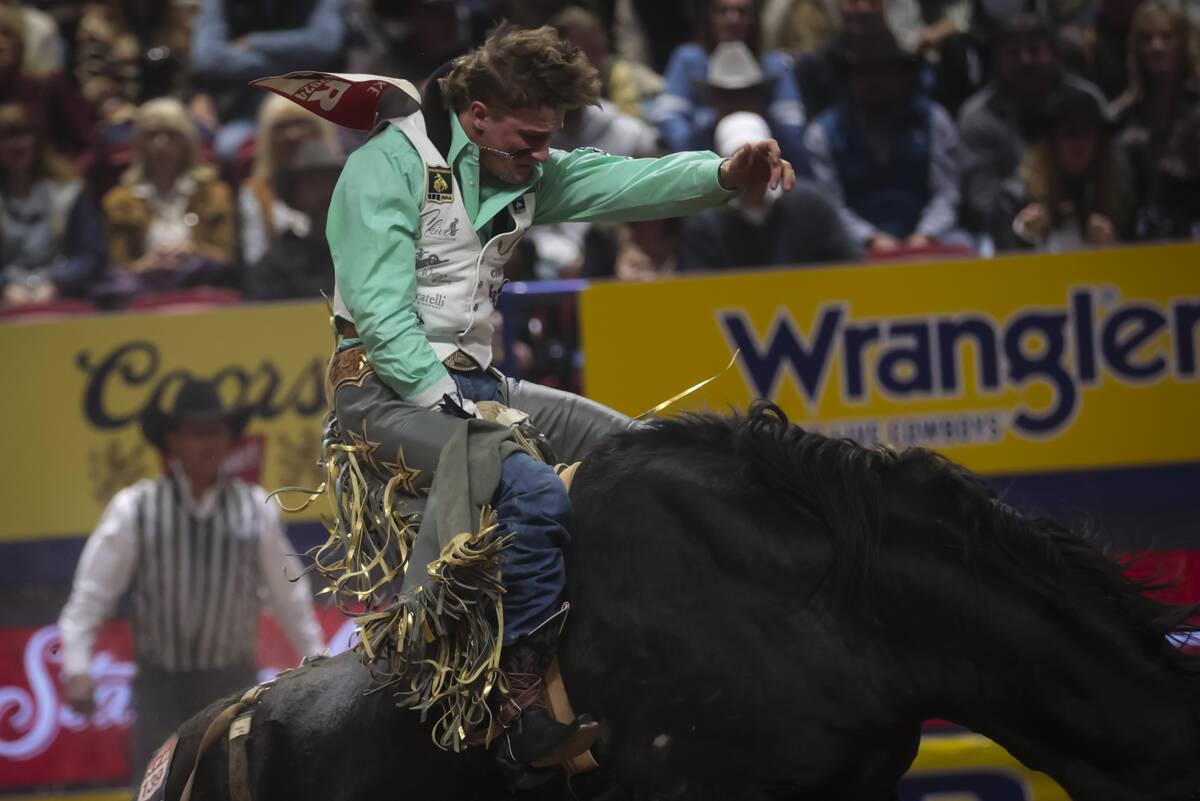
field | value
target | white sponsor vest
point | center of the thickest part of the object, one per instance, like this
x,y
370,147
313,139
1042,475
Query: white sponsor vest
x,y
458,279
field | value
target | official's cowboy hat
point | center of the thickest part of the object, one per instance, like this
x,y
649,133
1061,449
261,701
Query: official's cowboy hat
x,y
196,400
731,66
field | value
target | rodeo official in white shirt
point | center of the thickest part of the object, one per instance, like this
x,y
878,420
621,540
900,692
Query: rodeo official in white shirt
x,y
201,551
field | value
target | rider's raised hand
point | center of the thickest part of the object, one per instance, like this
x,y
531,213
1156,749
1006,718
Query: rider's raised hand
x,y
755,167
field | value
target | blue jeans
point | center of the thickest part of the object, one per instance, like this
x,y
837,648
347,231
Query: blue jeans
x,y
531,502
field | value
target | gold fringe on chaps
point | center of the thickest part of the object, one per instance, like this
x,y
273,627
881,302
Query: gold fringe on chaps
x,y
438,648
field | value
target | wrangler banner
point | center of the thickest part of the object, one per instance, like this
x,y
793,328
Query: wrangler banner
x,y
1015,365
78,386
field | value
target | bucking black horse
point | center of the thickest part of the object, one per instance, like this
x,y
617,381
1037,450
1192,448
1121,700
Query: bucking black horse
x,y
760,612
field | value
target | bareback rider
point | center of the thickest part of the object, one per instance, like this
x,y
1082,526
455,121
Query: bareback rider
x,y
423,219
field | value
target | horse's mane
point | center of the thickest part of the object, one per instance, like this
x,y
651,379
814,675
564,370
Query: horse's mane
x,y
854,491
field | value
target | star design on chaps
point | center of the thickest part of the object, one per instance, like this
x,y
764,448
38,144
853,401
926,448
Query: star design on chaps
x,y
363,444
405,473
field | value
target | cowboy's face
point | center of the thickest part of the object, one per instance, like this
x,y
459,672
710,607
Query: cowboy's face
x,y
732,20
525,133
879,86
1027,66
200,447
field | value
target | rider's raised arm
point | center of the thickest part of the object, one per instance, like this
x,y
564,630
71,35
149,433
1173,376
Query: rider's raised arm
x,y
588,184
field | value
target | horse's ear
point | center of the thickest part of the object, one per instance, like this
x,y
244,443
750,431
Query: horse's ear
x,y
345,99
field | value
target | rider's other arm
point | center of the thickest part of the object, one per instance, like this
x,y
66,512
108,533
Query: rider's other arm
x,y
104,571
374,219
588,184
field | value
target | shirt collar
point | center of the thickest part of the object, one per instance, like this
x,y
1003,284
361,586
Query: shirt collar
x,y
459,140
205,505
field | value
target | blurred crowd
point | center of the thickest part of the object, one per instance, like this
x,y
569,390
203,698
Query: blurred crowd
x,y
135,159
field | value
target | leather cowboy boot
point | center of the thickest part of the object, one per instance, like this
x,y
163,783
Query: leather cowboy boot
x,y
535,739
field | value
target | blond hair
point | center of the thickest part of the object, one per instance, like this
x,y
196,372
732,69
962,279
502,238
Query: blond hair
x,y
275,110
1046,183
517,68
1181,27
170,113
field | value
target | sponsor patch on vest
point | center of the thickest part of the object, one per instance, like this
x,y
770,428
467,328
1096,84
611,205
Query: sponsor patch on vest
x,y
439,185
518,205
155,781
431,299
437,228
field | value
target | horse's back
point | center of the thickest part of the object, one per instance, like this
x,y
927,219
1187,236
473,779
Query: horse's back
x,y
322,734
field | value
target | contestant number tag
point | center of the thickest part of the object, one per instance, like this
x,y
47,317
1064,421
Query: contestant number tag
x,y
155,782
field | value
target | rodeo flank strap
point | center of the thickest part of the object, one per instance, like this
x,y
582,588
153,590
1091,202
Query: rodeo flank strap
x,y
219,726
236,719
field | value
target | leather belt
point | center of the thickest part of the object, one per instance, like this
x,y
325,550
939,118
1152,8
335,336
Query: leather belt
x,y
349,366
458,360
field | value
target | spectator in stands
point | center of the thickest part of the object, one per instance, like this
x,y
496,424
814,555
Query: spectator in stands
x,y
406,39
170,221
649,31
131,51
682,111
127,52
796,227
237,41
796,25
997,124
1172,206
938,32
283,128
1107,43
43,43
52,104
1070,192
818,71
624,84
298,263
633,251
735,82
194,640
51,240
885,155
1164,87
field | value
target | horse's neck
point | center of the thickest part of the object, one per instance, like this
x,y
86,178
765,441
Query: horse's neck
x,y
1106,720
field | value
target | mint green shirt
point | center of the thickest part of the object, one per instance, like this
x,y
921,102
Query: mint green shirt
x,y
374,225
